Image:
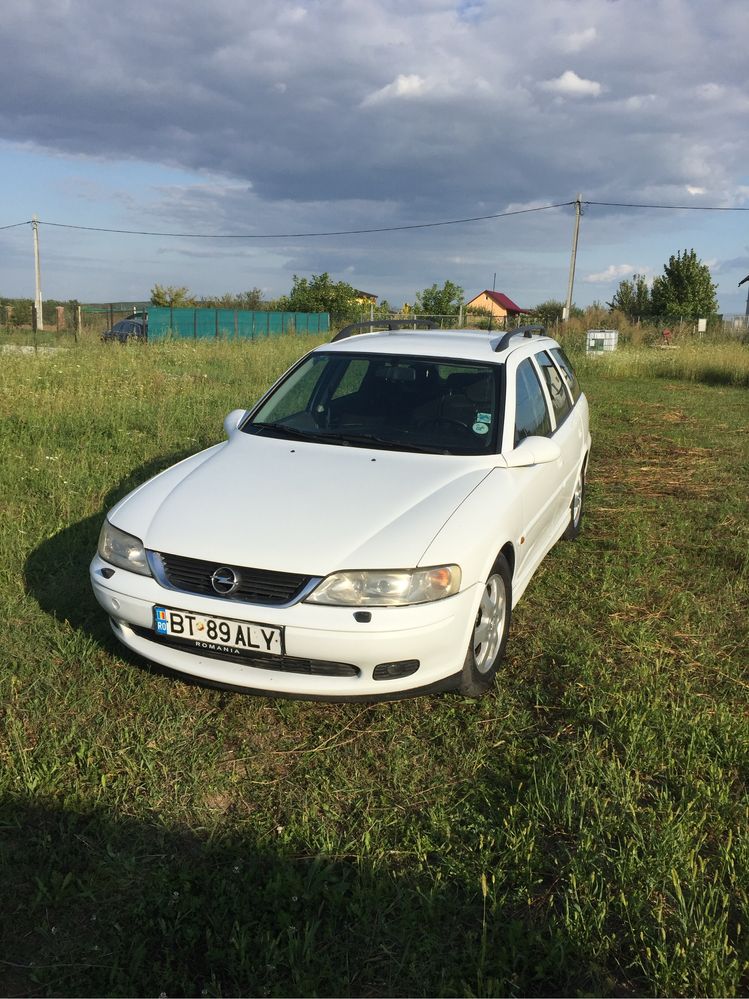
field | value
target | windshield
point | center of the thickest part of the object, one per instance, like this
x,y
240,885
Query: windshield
x,y
386,401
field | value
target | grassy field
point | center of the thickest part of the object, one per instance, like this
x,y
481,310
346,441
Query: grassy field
x,y
582,830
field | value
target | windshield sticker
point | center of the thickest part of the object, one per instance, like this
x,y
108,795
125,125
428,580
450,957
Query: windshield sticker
x,y
483,417
480,428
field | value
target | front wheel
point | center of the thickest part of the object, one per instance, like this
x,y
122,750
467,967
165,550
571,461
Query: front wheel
x,y
490,630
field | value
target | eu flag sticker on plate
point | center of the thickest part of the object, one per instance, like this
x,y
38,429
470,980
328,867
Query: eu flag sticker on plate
x,y
161,622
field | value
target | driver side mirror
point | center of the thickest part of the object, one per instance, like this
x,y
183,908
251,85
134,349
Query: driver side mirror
x,y
533,451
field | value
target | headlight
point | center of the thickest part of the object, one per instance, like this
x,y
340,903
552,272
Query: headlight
x,y
394,588
123,550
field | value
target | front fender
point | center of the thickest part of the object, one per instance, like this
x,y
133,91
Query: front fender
x,y
490,517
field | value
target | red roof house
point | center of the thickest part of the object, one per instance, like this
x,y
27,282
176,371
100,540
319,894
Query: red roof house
x,y
495,302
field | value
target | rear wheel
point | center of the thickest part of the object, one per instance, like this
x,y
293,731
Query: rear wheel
x,y
576,508
490,630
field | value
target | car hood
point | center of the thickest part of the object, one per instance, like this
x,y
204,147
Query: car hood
x,y
300,507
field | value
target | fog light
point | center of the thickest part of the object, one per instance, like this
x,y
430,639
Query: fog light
x,y
392,671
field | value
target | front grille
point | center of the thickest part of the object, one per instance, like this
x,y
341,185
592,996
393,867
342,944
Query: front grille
x,y
257,586
284,664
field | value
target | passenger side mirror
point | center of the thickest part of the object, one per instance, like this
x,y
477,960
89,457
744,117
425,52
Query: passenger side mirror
x,y
533,451
232,421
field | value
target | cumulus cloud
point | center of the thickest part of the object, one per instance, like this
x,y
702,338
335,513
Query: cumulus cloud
x,y
578,40
403,86
569,84
614,272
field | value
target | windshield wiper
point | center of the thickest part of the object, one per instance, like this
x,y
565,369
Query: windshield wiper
x,y
373,439
283,428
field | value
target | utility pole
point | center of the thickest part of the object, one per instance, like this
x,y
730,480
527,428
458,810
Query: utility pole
x,y
38,275
573,258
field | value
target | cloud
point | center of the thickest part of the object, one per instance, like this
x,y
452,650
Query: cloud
x,y
614,272
694,191
569,84
578,40
403,86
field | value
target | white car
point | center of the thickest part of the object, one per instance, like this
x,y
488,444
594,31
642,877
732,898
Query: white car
x,y
366,529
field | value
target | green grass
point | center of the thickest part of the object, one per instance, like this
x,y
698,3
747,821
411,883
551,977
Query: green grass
x,y
582,830
717,362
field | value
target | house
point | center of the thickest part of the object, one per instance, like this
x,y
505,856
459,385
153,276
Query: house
x,y
496,303
365,297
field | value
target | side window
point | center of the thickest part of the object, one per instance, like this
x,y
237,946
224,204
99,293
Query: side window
x,y
554,383
531,413
569,375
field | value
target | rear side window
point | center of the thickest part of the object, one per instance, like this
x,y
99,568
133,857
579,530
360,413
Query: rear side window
x,y
531,413
555,384
569,375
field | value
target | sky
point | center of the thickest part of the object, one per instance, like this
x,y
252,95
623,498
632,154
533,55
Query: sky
x,y
254,119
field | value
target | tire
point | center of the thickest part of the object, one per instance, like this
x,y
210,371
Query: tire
x,y
489,634
572,529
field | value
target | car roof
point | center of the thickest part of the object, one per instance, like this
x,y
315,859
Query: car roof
x,y
465,345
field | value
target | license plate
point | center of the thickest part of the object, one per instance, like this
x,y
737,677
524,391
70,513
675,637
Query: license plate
x,y
217,633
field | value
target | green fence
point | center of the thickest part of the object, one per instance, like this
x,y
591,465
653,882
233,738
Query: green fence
x,y
167,323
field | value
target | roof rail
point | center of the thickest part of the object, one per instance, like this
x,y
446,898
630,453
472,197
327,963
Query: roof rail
x,y
527,331
426,322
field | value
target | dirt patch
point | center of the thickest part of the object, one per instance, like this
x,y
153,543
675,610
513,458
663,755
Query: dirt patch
x,y
657,466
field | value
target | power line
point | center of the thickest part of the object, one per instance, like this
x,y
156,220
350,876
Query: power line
x,y
673,208
391,228
298,235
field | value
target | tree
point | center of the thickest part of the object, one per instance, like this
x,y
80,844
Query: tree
x,y
169,296
444,301
685,288
633,297
550,311
251,300
321,294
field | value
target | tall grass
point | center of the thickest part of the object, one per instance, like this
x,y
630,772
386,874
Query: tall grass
x,y
721,363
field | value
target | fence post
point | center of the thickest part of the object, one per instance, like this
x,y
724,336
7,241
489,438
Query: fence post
x,y
267,323
195,324
215,313
236,325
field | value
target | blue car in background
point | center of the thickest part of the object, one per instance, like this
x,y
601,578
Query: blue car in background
x,y
135,327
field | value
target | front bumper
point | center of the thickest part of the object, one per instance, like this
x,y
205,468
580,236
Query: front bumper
x,y
436,634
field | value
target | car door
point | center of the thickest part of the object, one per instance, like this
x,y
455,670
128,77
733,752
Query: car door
x,y
538,485
567,432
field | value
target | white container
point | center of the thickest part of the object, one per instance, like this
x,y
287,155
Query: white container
x,y
601,340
